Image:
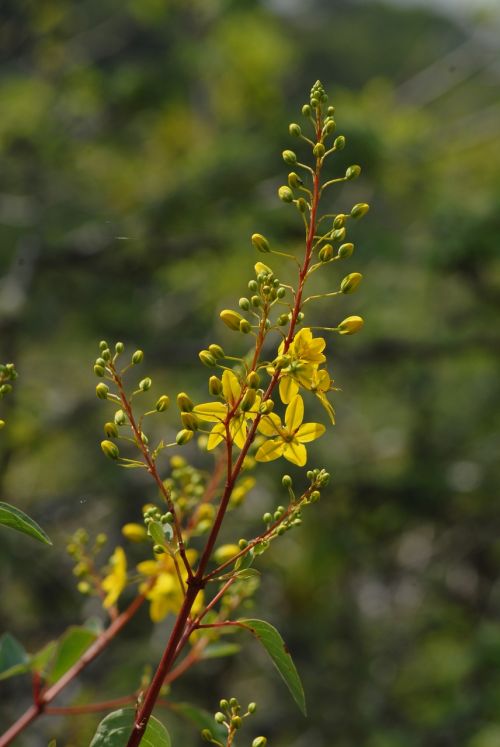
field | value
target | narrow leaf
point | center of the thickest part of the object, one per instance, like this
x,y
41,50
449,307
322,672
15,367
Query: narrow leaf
x,y
114,731
12,517
277,650
14,659
72,645
217,650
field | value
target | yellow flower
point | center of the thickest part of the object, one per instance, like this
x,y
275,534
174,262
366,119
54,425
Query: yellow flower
x,y
288,440
321,383
116,580
217,412
166,595
305,354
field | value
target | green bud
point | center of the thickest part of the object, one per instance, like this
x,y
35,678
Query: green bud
x,y
350,282
353,172
301,205
100,362
236,722
189,421
244,304
252,707
103,345
319,150
259,742
286,481
300,316
110,430
315,496
260,242
206,735
145,384
294,130
256,301
120,417
219,717
207,358
345,251
158,549
253,286
224,704
242,543
214,386
285,194
339,234
359,210
99,371
350,325
294,180
216,351
326,252
233,703
119,348
102,391
248,400
184,403
266,407
339,143
282,320
231,319
289,157
330,111
245,326
314,103
281,292
110,449
184,436
253,379
162,403
138,357
106,354
267,518
329,126
339,221
306,110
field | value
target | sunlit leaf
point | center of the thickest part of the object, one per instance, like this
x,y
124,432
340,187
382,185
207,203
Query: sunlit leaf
x,y
72,645
114,731
12,517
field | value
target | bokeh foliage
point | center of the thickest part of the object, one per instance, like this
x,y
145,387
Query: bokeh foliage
x,y
140,147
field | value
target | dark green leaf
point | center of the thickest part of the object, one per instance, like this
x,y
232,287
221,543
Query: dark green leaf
x,y
200,718
277,650
245,561
114,731
15,519
14,659
74,642
216,650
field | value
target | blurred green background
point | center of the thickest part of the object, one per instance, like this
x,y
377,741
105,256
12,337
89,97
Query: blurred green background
x,y
140,146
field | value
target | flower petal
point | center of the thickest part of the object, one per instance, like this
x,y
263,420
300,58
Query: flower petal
x,y
238,431
270,425
270,450
288,388
217,435
212,412
309,432
327,405
230,387
294,413
295,453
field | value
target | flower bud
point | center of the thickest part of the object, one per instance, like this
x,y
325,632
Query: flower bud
x,y
207,358
99,371
206,735
110,430
260,242
259,742
359,210
184,436
244,304
329,126
350,282
253,379
236,722
223,553
326,252
184,403
266,407
119,348
219,717
289,157
350,325
339,143
294,180
216,351
245,326
162,403
145,384
256,301
231,319
319,150
339,234
315,496
294,130
138,357
281,292
252,707
260,267
102,391
306,110
301,205
134,532
282,320
110,449
345,251
252,286
106,354
189,421
120,417
214,386
2,424
330,111
248,400
285,194
353,172
286,481
339,221
103,345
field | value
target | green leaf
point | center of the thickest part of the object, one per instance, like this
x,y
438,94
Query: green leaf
x,y
72,645
114,731
245,561
15,519
200,718
14,659
216,650
41,660
277,650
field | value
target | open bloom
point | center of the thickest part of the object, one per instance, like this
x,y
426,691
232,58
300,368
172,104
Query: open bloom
x,y
288,440
116,580
167,594
217,412
304,356
321,383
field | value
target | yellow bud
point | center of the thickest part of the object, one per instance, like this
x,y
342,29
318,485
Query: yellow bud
x,y
294,180
189,421
137,357
345,251
261,243
110,449
248,400
353,172
184,403
319,150
145,384
359,210
231,319
350,325
207,358
285,194
110,430
84,587
184,436
134,532
214,386
326,252
261,267
289,157
225,552
245,326
162,403
350,282
2,424
102,390
216,351
253,379
266,407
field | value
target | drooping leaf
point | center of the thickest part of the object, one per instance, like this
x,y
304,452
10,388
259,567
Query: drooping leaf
x,y
114,731
277,650
216,650
245,561
73,643
42,659
14,659
200,718
12,517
